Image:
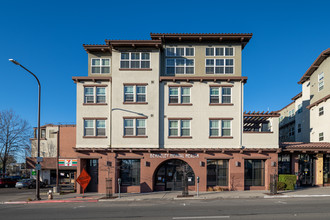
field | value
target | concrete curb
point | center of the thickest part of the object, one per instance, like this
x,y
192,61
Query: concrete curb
x,y
294,196
49,201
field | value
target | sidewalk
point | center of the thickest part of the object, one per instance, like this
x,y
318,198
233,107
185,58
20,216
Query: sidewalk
x,y
95,197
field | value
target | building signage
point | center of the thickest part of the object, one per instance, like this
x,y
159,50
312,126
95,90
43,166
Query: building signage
x,y
67,162
174,156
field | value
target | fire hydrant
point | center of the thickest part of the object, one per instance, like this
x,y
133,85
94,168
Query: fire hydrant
x,y
50,195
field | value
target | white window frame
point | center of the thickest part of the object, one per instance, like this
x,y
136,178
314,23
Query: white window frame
x,y
299,108
180,94
217,128
101,65
95,133
130,60
225,95
135,127
321,136
221,95
222,128
175,53
95,95
135,100
224,65
320,81
224,52
321,111
175,66
179,128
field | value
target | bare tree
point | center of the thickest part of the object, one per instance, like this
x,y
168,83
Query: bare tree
x,y
14,136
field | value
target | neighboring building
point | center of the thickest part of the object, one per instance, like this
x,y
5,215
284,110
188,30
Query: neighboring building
x,y
53,153
150,110
306,134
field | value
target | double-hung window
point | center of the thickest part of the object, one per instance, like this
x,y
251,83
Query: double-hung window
x,y
180,66
101,66
135,60
94,127
299,108
94,94
179,95
180,51
219,51
219,66
220,128
134,127
321,81
179,127
321,136
220,95
135,94
321,111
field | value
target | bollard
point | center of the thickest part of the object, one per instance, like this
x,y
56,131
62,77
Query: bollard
x,y
119,182
197,186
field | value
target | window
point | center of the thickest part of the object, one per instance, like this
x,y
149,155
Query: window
x,y
217,131
135,60
174,126
284,164
180,66
321,136
217,173
321,81
321,111
43,133
299,128
180,51
291,113
94,127
299,108
135,94
215,95
219,51
94,97
254,174
134,127
100,66
291,131
179,95
130,172
219,66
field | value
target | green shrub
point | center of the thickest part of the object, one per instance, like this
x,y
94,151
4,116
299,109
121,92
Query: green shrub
x,y
281,186
289,180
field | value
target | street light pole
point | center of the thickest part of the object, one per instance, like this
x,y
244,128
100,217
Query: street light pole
x,y
39,99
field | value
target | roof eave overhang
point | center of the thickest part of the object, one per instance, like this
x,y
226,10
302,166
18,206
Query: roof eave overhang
x,y
204,78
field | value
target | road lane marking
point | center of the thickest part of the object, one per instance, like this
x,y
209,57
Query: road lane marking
x,y
201,217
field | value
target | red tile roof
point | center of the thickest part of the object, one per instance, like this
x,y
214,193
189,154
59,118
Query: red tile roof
x,y
325,54
302,145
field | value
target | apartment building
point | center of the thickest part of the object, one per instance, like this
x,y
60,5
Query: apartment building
x,y
151,110
304,127
58,156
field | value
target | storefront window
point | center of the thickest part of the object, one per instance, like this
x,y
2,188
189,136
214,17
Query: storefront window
x,y
284,164
326,168
217,172
130,172
254,173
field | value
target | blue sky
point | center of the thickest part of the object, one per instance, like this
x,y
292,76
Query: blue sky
x,y
47,38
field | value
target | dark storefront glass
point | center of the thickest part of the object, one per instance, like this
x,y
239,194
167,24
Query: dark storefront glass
x,y
326,169
284,164
254,173
130,172
217,172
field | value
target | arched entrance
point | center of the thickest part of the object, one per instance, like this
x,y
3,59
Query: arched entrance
x,y
169,175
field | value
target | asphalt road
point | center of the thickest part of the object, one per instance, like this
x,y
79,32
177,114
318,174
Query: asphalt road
x,y
302,208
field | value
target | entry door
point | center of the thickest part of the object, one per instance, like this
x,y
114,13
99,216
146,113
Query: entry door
x,y
306,169
92,169
174,179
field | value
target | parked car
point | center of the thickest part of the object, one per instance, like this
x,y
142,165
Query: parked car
x,y
28,183
7,182
25,183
